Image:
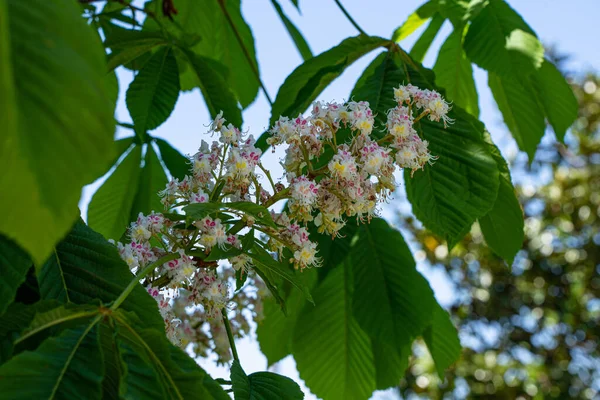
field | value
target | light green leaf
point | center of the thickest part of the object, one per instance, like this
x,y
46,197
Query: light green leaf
x,y
262,385
454,73
521,110
109,210
152,180
86,268
307,81
68,366
557,98
442,341
177,163
214,87
392,301
14,264
421,46
295,34
503,225
415,20
333,354
152,95
52,144
500,41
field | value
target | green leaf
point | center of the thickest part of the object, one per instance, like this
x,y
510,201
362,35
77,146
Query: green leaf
x,y
500,41
260,213
557,98
295,34
503,225
44,319
14,264
85,267
415,20
152,180
52,144
211,21
177,163
109,210
462,185
178,374
442,341
454,73
392,301
262,385
421,46
521,110
68,366
390,363
333,354
214,87
152,95
307,81
127,45
265,262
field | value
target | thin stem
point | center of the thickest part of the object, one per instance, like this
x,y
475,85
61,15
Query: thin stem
x,y
352,21
245,50
276,197
136,280
268,174
230,335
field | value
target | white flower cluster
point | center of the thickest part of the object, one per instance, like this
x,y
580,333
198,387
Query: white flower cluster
x,y
335,168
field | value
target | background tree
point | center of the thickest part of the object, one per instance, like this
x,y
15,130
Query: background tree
x,y
530,329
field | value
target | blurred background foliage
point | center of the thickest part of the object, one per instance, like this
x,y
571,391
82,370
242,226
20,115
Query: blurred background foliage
x,y
530,330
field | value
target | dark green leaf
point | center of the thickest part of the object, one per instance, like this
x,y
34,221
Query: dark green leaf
x,y
152,180
500,41
214,87
109,210
85,267
262,385
152,95
295,34
442,340
392,301
454,73
14,264
177,163
127,45
56,118
421,46
333,354
68,366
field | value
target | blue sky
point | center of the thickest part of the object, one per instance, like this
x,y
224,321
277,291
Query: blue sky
x,y
567,25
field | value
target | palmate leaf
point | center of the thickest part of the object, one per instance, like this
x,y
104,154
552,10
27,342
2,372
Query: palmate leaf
x,y
67,366
463,183
97,349
45,47
209,26
400,301
262,385
152,180
177,164
333,354
85,267
152,95
127,45
307,81
500,41
419,49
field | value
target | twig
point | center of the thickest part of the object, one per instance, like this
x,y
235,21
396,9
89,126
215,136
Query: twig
x,y
230,335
